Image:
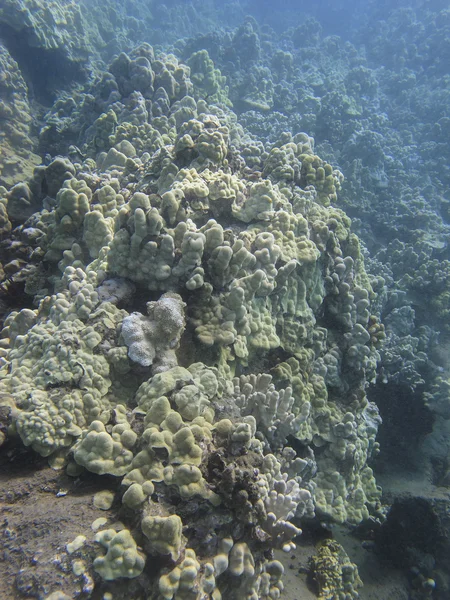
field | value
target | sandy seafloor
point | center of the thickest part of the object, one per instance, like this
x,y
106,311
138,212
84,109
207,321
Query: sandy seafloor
x,y
42,509
381,582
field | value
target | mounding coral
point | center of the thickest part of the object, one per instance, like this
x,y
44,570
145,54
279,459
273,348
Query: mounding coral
x,y
228,393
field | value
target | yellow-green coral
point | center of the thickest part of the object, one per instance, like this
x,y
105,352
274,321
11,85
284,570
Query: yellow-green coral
x,y
208,81
102,452
335,575
122,559
163,534
320,174
271,277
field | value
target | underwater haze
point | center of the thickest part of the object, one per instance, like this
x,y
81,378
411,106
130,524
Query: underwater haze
x,y
225,300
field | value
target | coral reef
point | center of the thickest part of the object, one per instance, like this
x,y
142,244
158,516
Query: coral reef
x,y
377,107
187,312
188,405
17,159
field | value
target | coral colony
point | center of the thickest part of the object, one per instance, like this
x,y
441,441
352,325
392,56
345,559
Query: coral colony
x,y
197,323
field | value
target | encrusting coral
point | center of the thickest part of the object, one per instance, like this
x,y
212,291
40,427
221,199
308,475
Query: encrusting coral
x,y
257,333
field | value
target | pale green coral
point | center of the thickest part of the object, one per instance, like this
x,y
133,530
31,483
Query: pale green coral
x,y
240,576
257,204
59,383
321,175
72,204
167,435
17,159
98,232
163,534
122,558
203,139
59,378
103,452
192,388
181,581
268,270
136,494
208,81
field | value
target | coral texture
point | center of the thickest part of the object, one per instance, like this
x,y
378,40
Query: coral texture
x,y
251,337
